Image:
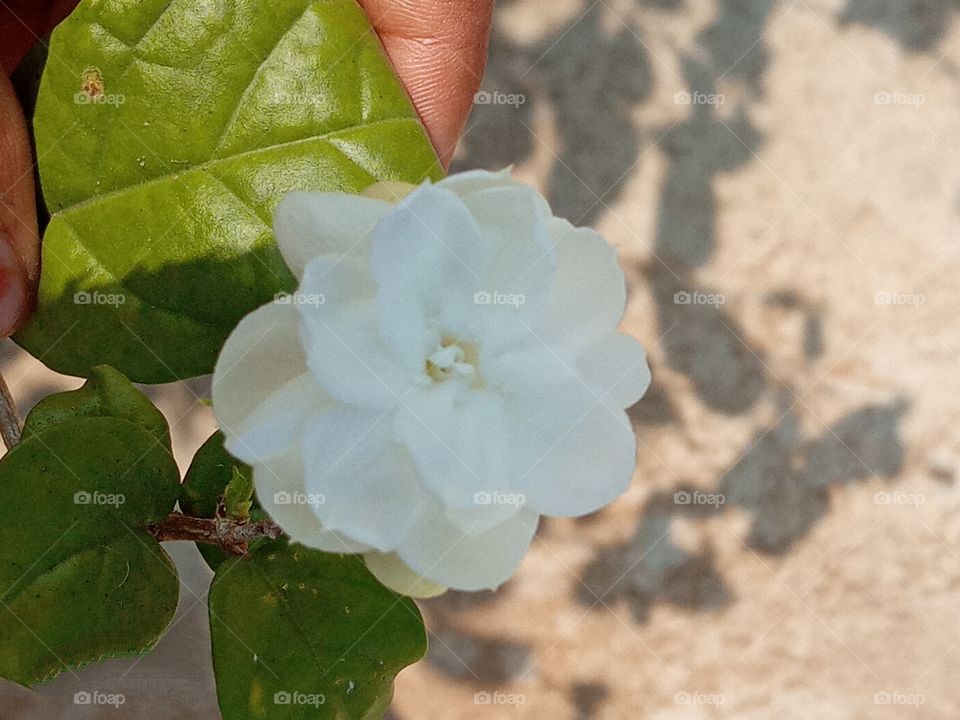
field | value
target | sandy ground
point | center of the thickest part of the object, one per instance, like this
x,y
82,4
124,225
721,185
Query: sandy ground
x,y
782,180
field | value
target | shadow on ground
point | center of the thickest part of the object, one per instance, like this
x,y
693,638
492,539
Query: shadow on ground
x,y
592,78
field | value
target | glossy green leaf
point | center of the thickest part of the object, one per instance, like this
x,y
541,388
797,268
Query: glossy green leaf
x,y
81,579
302,634
167,131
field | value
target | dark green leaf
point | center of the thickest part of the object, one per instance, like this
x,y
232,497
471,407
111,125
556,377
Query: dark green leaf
x,y
207,477
106,394
81,579
292,626
163,185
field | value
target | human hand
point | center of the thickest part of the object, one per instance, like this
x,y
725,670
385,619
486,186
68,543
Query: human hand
x,y
438,48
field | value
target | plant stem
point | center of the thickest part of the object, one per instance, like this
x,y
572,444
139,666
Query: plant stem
x,y
9,417
233,536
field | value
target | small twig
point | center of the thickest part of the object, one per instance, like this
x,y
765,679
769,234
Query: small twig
x,y
10,425
234,536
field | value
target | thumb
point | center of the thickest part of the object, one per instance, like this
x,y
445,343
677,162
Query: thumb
x,y
439,49
19,240
22,22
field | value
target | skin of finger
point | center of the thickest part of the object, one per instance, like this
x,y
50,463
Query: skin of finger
x,y
24,22
439,50
19,239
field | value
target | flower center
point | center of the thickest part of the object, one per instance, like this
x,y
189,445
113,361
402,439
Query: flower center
x,y
454,358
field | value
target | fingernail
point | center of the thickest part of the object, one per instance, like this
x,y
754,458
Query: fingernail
x,y
13,289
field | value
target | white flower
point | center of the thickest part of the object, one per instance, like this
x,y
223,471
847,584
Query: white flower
x,y
447,371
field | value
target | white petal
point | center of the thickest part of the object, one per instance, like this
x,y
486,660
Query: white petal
x,y
471,181
344,350
370,490
589,295
448,556
405,326
259,365
278,421
282,493
426,234
529,368
514,222
308,224
572,454
458,439
393,572
616,369
428,259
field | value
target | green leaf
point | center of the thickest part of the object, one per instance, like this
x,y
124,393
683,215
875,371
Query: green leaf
x,y
210,475
291,626
81,578
210,471
238,495
106,394
162,190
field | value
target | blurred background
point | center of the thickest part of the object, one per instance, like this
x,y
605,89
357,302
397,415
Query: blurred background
x,y
782,179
